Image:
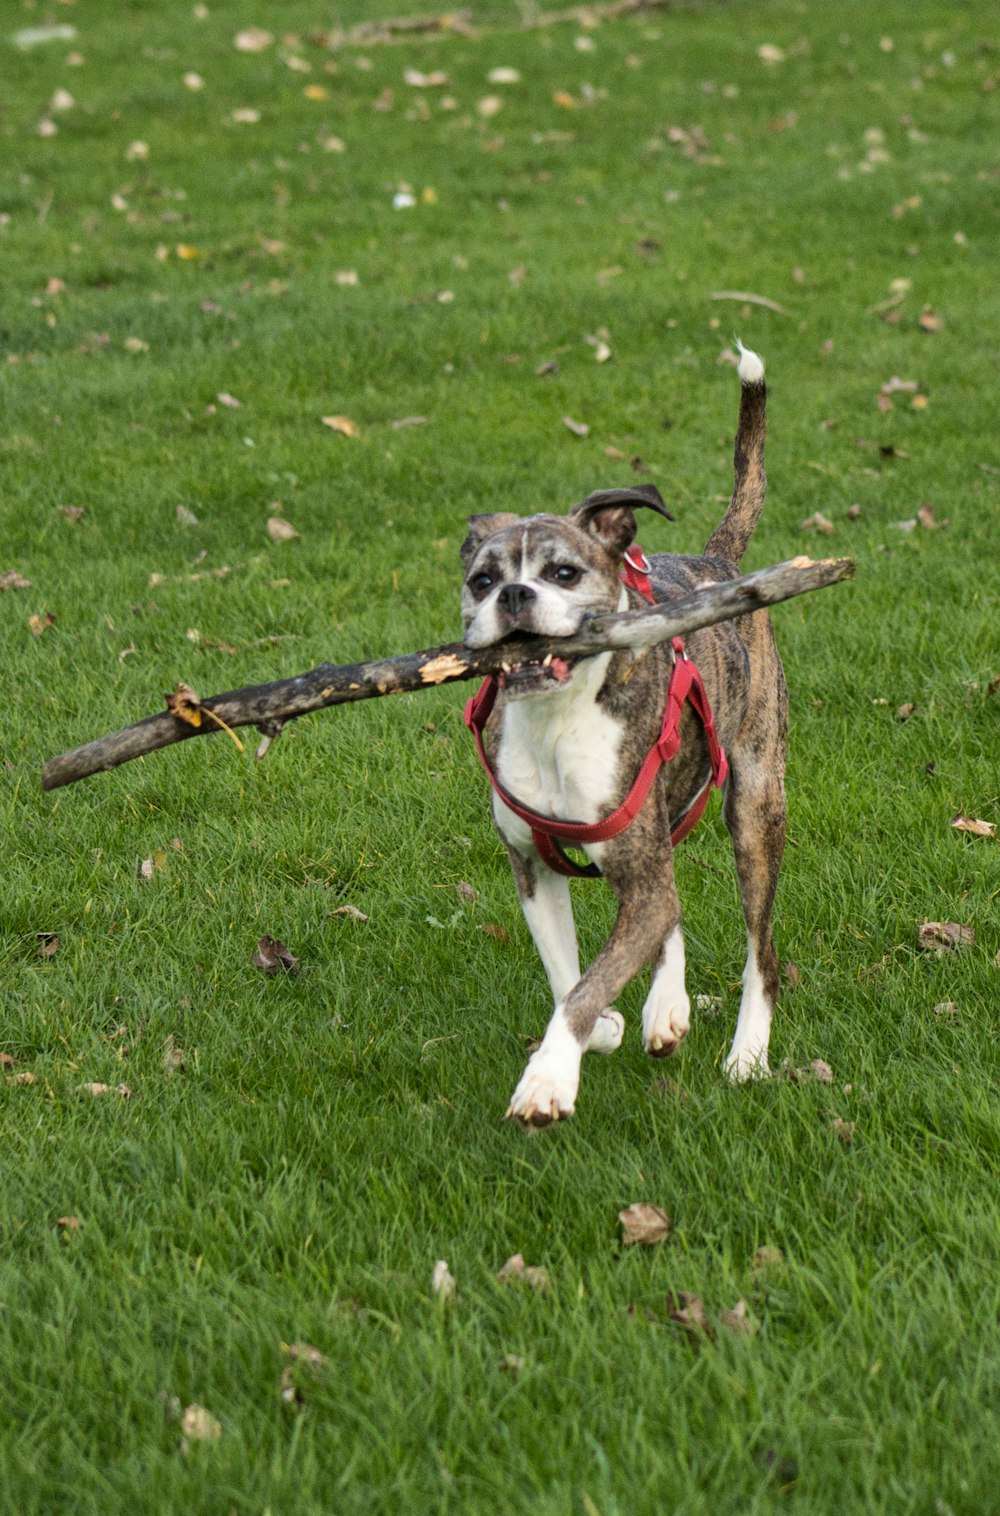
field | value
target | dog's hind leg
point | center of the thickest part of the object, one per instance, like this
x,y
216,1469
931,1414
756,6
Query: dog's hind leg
x,y
548,911
755,815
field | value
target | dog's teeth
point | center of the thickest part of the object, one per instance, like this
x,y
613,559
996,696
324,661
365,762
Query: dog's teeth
x,y
506,667
547,661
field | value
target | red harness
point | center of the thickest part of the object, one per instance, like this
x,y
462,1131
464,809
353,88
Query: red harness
x,y
685,685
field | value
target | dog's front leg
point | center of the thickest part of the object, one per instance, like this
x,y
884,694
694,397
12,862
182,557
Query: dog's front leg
x,y
547,908
548,1087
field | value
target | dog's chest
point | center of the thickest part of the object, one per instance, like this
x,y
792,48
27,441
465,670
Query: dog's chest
x,y
560,756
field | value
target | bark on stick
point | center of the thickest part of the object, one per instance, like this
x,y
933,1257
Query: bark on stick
x,y
269,705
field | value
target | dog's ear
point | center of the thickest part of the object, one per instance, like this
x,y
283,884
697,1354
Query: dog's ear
x,y
481,527
608,514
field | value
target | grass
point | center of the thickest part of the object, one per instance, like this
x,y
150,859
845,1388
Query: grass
x,y
330,1136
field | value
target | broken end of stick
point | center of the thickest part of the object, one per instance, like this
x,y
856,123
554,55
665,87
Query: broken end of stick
x,y
834,568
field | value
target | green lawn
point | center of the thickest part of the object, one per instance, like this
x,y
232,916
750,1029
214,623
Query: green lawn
x,y
296,1153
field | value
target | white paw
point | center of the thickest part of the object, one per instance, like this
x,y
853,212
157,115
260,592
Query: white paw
x,y
664,1029
548,1086
609,1028
747,1062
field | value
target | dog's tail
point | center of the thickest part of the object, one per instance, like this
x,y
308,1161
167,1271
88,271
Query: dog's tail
x,y
730,538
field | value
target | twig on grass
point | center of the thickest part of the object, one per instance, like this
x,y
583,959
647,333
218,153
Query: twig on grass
x,y
768,304
268,705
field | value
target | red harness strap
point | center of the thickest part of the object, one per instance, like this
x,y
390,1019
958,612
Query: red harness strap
x,y
685,685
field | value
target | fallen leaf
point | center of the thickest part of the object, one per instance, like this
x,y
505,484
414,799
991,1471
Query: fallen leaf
x,y
72,513
687,1311
905,711
272,956
929,320
417,80
342,424
253,40
304,1358
228,400
185,705
280,530
466,891
510,1363
194,81
39,624
671,1090
95,1090
173,1057
442,1281
843,1129
767,1256
68,1223
516,1270
769,53
492,930
644,1223
200,1425
135,345
709,1005
503,76
578,428
351,911
8,1061
24,1077
185,516
822,1071
946,1008
738,1321
48,944
925,516
976,828
817,523
945,936
10,579
245,115
791,973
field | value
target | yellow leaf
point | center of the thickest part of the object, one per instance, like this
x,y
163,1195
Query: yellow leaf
x,y
316,92
342,424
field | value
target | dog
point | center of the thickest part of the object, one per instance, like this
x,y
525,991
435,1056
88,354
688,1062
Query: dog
x,y
565,739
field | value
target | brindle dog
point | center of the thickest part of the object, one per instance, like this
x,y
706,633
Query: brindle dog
x,y
567,738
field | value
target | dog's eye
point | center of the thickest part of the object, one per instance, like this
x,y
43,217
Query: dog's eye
x,y
563,573
480,583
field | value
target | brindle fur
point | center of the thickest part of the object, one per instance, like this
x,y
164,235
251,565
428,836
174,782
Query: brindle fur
x,y
743,677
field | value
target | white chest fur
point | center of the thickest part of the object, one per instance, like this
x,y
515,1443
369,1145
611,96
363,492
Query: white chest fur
x,y
559,754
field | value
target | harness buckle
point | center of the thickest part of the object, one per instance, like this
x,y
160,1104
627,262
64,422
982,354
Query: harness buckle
x,y
643,566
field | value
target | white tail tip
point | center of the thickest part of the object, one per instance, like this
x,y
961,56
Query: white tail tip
x,y
751,366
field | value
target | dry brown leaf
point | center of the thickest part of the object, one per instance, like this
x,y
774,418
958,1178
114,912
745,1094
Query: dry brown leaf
x,y
185,704
351,911
905,711
578,428
821,1070
307,1362
68,1223
929,320
925,516
946,1008
945,936
492,930
511,1363
817,523
843,1129
738,1321
976,828
95,1090
280,530
442,1281
8,1061
48,944
24,1077
517,1271
766,1257
342,424
39,624
644,1223
466,891
228,400
688,1312
10,579
173,1057
272,956
200,1425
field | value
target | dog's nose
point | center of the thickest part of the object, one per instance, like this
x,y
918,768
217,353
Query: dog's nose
x,y
513,596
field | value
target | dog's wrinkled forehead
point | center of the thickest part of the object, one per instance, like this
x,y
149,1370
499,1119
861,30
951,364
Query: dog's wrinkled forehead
x,y
520,547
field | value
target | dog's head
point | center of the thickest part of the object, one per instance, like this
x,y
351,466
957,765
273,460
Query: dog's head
x,y
544,575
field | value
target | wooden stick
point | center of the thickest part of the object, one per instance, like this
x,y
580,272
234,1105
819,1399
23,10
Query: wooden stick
x,y
269,705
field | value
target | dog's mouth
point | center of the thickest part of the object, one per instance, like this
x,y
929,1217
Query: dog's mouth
x,y
529,676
